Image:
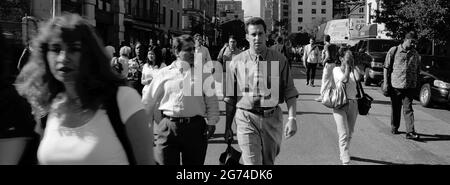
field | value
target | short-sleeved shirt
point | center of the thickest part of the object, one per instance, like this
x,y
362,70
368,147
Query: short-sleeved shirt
x,y
94,143
135,69
176,99
255,84
333,52
227,54
405,69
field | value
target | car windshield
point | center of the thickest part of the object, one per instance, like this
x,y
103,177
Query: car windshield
x,y
381,45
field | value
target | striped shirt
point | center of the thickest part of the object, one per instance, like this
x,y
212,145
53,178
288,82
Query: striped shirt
x,y
245,73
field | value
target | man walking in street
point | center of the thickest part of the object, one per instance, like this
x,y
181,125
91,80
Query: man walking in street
x,y
255,108
401,73
201,50
329,58
279,46
310,61
227,53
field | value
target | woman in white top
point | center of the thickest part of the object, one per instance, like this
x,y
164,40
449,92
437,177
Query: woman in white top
x,y
149,71
345,117
68,77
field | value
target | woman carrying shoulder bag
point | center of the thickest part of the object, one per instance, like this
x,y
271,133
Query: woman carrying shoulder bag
x,y
345,116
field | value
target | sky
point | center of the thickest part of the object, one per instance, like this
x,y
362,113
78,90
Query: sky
x,y
251,7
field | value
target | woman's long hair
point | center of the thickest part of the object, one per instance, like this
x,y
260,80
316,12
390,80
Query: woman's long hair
x,y
95,82
158,60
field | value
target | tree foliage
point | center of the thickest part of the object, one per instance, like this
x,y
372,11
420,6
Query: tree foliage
x,y
299,39
430,19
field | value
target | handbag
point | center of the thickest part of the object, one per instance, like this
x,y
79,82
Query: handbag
x,y
364,100
334,95
231,156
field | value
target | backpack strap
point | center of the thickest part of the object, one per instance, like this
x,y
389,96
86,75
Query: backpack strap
x,y
112,110
391,65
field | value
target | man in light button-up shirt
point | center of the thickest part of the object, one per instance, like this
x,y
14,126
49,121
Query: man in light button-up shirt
x,y
255,111
184,104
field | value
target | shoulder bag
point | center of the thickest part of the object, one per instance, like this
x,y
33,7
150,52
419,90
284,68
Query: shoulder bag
x,y
364,100
334,95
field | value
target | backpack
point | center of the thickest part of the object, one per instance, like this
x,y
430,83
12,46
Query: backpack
x,y
387,91
312,56
112,110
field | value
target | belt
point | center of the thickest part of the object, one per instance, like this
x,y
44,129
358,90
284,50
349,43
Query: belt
x,y
181,119
262,111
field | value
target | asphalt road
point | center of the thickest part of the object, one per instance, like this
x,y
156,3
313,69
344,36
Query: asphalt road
x,y
316,141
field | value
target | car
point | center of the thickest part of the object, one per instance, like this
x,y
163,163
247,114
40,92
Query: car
x,y
434,80
370,54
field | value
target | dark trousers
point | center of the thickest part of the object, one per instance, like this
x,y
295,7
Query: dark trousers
x,y
311,72
188,139
399,98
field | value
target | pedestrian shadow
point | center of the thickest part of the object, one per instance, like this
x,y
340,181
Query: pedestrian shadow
x,y
440,107
434,137
318,113
214,140
379,162
381,102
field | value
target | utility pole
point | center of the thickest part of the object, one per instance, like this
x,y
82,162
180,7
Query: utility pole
x,y
53,9
356,5
204,25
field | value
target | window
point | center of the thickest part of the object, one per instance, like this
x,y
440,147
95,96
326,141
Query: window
x,y
324,2
313,19
285,14
300,19
313,11
314,2
164,16
190,4
108,5
178,20
127,7
300,2
300,28
324,19
300,11
361,10
285,7
324,11
140,8
171,18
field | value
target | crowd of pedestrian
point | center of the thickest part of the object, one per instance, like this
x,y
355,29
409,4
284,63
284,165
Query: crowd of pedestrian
x,y
148,109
